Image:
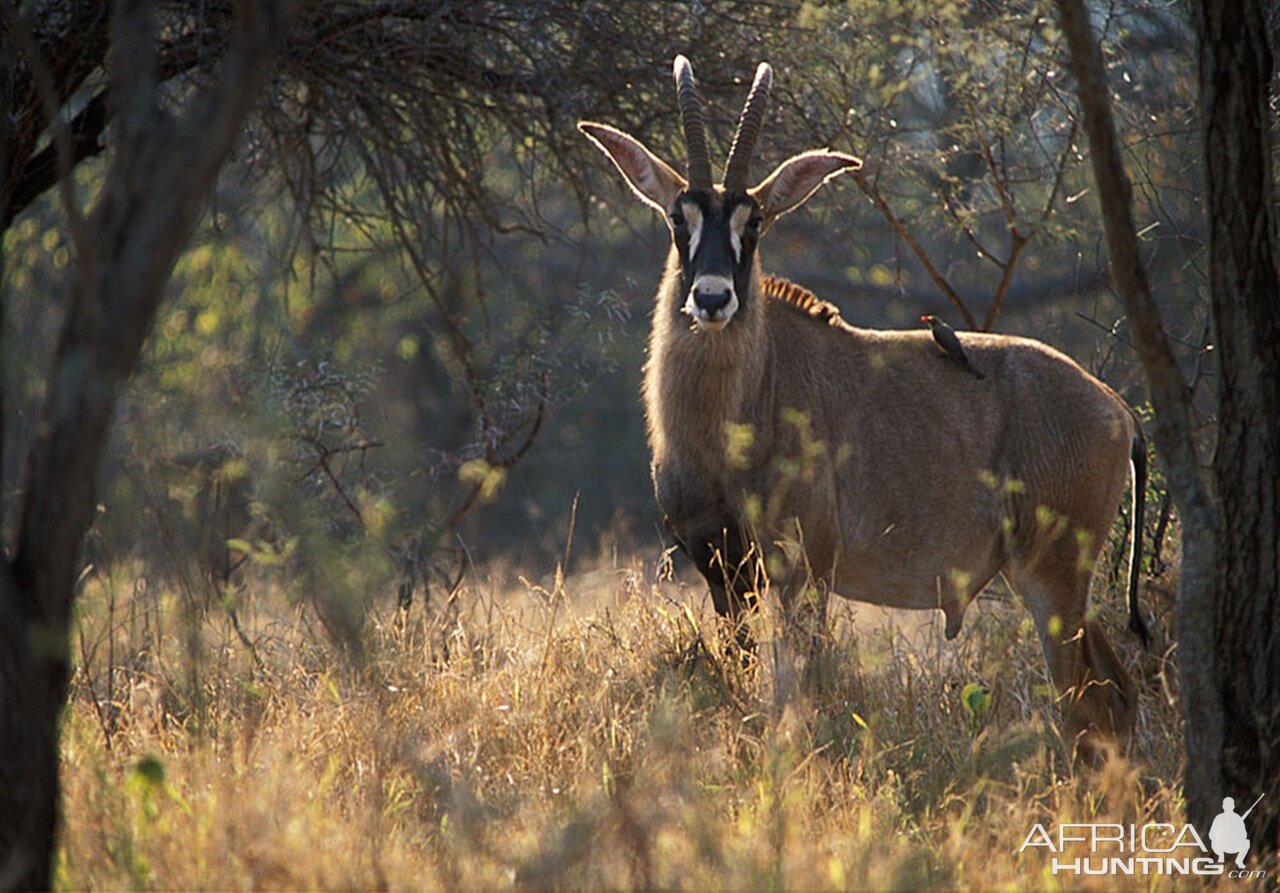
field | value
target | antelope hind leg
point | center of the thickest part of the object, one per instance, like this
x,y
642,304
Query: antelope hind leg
x,y
1097,695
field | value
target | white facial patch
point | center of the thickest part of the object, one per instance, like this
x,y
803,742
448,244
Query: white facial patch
x,y
693,220
737,224
715,319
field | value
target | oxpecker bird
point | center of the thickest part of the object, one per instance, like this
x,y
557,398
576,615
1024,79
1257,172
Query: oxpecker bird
x,y
947,340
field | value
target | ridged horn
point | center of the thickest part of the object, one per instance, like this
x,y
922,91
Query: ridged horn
x,y
695,135
744,141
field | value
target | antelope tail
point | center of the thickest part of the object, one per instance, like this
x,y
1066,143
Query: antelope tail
x,y
1138,461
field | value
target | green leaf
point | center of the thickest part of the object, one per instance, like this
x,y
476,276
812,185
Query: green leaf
x,y
149,770
976,699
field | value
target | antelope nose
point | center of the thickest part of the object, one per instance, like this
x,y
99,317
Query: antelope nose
x,y
711,301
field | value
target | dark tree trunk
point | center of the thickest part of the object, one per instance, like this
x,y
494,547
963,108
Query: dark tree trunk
x,y
1235,70
152,197
1229,595
38,584
33,674
1172,427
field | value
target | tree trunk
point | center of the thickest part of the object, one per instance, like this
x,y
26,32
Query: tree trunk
x,y
1235,70
1229,595
38,584
1170,396
153,195
32,686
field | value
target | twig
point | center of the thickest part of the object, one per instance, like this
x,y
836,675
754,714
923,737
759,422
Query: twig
x,y
323,453
917,249
1017,239
969,234
86,663
1017,242
573,523
362,447
508,461
244,637
1059,174
1006,203
1156,566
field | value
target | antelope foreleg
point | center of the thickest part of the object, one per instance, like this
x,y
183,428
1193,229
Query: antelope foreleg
x,y
731,565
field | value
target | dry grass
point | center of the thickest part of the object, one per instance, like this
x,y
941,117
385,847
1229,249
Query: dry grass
x,y
588,733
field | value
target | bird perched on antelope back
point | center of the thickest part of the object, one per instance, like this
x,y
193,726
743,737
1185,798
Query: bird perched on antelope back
x,y
947,340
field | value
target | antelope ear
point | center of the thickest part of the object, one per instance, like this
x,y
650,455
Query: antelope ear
x,y
650,178
788,187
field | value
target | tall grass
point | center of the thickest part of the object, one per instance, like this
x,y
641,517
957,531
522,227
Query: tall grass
x,y
583,733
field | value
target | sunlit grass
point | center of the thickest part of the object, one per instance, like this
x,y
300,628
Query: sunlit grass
x,y
585,733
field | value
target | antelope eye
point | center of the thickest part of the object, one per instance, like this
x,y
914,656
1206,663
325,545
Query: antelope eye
x,y
677,218
753,225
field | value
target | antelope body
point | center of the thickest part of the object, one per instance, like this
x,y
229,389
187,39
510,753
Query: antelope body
x,y
861,462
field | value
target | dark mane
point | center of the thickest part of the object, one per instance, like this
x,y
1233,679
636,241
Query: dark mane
x,y
801,298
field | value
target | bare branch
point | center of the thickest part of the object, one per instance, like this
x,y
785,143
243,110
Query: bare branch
x,y
970,236
1169,392
1017,242
872,192
61,137
1006,203
1059,173
473,495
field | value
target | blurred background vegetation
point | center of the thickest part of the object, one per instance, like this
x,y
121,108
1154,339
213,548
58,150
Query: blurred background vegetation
x,y
408,334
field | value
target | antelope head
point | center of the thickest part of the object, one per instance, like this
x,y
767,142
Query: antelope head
x,y
715,230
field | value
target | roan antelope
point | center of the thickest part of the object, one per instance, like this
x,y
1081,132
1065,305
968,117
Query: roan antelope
x,y
870,463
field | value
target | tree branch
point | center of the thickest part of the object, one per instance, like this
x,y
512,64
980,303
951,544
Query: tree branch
x,y
1172,425
60,142
1006,203
42,171
1169,393
873,193
1059,173
1017,242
